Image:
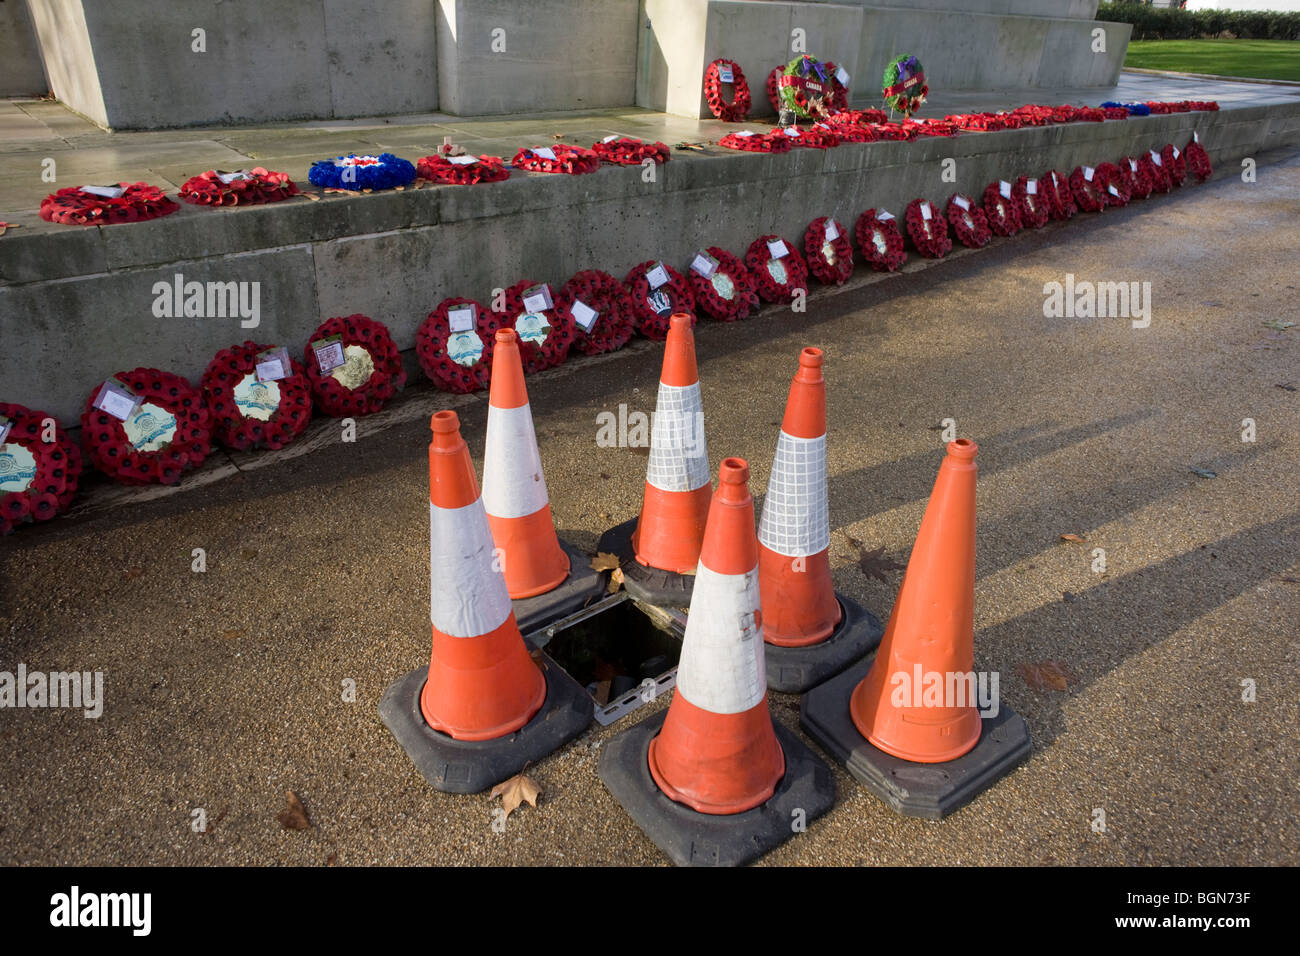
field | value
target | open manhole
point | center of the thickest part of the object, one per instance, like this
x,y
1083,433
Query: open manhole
x,y
624,653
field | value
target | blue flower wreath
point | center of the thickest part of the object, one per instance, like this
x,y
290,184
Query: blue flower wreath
x,y
385,172
1134,109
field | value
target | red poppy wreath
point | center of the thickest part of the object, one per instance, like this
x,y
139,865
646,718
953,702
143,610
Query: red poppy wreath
x,y
257,396
1134,177
600,310
968,221
928,229
38,478
814,136
245,187
1088,189
628,151
455,343
1153,167
560,158
1056,193
773,142
715,81
828,251
777,268
544,334
880,240
657,291
1000,207
1117,191
462,170
1198,160
721,285
1175,162
1030,203
106,205
353,365
774,87
146,427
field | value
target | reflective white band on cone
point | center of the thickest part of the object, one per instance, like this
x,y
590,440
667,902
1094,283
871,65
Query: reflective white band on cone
x,y
467,591
721,668
513,485
795,520
679,457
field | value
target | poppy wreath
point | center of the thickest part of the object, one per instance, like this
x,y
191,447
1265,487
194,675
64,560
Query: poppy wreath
x,y
816,136
829,260
1175,163
903,85
38,479
459,366
1115,112
1155,172
256,185
1134,177
969,223
880,241
1132,109
573,160
1003,212
545,338
776,279
1031,206
738,108
773,142
357,173
74,206
1055,190
774,86
930,236
933,127
601,292
627,151
1114,184
856,134
839,95
168,432
247,413
440,169
895,131
858,117
652,308
1089,194
1198,160
727,295
807,87
372,372
985,122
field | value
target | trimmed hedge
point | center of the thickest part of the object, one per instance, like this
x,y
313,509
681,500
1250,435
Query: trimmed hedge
x,y
1153,23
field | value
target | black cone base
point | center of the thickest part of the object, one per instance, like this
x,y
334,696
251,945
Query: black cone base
x,y
470,766
580,588
792,670
690,838
647,585
930,790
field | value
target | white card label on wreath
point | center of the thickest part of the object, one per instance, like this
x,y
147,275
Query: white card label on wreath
x,y
532,327
256,398
545,152
464,348
1113,191
1195,137
1155,158
538,298
1031,187
5,426
725,75
584,315
832,230
962,202
777,249
842,75
116,399
1004,189
17,466
462,160
1133,165
925,211
1088,172
884,216
704,264
108,192
743,132
150,428
657,276
792,131
329,353
273,365
461,318
610,138
228,178
1176,153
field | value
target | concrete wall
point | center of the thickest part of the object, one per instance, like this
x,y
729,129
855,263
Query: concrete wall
x,y
21,71
1073,9
558,55
75,304
130,64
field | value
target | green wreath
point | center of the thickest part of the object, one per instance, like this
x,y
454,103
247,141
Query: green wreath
x,y
807,87
904,87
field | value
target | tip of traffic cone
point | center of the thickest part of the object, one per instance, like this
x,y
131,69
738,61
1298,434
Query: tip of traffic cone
x,y
730,541
507,389
679,352
733,479
963,449
443,425
451,472
810,362
805,409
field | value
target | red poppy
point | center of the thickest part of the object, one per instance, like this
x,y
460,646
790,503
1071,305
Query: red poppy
x,y
653,305
928,229
372,371
880,241
137,203
815,135
462,170
728,293
738,108
1002,210
613,323
573,160
1032,206
968,221
241,405
52,474
246,188
628,151
771,142
167,432
544,335
778,278
464,364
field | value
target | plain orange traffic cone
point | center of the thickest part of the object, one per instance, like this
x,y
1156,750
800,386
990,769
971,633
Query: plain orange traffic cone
x,y
716,751
482,695
811,632
916,704
660,549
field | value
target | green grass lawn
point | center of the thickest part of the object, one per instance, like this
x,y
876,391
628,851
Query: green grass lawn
x,y
1262,59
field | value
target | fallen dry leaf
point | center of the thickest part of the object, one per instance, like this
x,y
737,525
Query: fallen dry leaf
x,y
314,197
1046,675
604,561
248,554
234,633
615,581
515,791
601,693
132,573
294,815
1073,537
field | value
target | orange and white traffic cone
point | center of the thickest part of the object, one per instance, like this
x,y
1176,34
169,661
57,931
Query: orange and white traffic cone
x,y
660,549
713,780
811,631
483,708
918,712
545,577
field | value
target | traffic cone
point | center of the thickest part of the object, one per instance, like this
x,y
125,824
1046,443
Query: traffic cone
x,y
544,576
910,714
811,632
660,549
483,708
713,780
